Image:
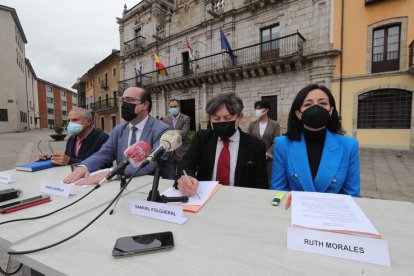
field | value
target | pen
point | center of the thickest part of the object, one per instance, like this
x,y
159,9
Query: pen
x,y
190,181
288,200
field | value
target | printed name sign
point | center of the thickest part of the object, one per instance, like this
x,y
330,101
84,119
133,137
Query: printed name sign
x,y
55,189
5,178
161,211
357,248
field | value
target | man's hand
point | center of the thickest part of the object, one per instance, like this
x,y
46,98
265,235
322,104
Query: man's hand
x,y
92,179
187,185
77,174
42,156
59,158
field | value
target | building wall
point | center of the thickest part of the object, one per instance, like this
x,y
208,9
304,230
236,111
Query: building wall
x,y
42,104
242,27
32,100
359,21
12,75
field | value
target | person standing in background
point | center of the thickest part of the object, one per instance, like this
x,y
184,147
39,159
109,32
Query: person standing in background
x,y
266,130
180,122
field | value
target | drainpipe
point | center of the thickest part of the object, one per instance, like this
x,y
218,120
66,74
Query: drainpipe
x,y
341,58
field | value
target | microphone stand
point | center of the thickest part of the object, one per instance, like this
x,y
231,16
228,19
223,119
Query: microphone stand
x,y
123,183
154,194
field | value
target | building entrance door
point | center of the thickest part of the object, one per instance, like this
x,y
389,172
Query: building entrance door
x,y
188,108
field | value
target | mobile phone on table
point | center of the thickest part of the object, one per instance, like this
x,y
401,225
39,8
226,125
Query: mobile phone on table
x,y
24,203
127,246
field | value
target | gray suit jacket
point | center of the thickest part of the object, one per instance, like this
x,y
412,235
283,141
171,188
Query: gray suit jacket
x,y
183,126
117,143
272,130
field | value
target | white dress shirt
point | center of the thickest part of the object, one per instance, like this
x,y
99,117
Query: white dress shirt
x,y
140,127
234,152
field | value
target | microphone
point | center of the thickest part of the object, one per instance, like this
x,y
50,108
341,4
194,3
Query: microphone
x,y
169,141
134,155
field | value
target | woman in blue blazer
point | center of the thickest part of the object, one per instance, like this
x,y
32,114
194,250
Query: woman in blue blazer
x,y
314,155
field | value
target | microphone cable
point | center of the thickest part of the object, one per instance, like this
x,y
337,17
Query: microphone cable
x,y
11,273
53,212
83,228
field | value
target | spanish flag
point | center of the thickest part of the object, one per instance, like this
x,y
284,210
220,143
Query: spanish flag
x,y
160,67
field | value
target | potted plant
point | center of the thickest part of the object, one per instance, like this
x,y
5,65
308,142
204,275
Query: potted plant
x,y
58,136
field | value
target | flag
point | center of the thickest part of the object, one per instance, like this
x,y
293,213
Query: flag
x,y
191,53
138,68
225,45
160,67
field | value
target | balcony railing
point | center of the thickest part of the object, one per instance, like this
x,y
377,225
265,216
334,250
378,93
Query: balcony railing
x,y
411,56
111,103
138,42
280,48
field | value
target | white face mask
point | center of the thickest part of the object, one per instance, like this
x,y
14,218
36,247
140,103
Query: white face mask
x,y
259,113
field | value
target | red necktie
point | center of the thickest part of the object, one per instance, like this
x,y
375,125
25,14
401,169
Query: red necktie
x,y
223,164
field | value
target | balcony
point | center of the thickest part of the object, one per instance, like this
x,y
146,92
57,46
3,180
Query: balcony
x,y
104,84
411,58
107,105
276,56
136,44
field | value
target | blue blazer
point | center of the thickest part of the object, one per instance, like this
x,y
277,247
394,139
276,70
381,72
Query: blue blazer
x,y
338,169
117,143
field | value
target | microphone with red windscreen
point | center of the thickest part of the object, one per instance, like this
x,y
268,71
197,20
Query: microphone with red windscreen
x,y
134,155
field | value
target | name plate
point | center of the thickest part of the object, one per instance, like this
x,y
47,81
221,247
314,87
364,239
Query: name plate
x,y
5,178
357,248
55,189
161,211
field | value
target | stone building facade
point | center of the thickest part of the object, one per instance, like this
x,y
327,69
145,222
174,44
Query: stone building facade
x,y
278,47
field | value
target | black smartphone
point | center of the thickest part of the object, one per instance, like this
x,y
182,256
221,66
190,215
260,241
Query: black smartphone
x,y
127,246
24,203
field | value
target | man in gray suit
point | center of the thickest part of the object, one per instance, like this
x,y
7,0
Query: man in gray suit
x,y
180,122
139,125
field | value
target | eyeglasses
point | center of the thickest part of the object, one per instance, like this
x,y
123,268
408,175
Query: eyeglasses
x,y
128,100
40,150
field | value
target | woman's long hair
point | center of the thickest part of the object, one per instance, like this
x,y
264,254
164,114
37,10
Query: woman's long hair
x,y
295,126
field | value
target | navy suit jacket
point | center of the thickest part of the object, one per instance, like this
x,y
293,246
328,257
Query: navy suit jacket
x,y
338,169
117,143
251,161
91,144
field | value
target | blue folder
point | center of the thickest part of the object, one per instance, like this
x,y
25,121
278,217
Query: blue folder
x,y
35,166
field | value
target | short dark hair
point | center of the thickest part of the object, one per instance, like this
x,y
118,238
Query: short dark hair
x,y
146,97
232,102
175,100
262,104
295,126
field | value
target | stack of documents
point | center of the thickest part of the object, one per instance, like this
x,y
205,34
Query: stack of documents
x,y
206,189
330,212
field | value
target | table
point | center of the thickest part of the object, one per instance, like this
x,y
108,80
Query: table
x,y
238,232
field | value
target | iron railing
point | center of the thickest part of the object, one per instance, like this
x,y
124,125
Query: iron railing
x,y
411,56
110,103
280,48
135,43
104,83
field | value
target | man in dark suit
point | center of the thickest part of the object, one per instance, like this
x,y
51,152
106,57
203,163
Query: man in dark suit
x,y
139,126
223,153
84,141
180,122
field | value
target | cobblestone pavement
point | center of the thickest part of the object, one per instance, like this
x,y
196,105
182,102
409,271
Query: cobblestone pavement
x,y
385,173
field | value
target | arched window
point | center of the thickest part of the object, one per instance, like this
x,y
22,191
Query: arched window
x,y
385,108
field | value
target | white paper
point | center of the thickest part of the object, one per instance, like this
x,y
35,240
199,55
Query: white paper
x,y
204,190
331,212
54,188
6,178
161,211
357,248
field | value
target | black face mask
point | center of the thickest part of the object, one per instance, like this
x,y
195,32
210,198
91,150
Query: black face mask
x,y
128,111
225,129
316,116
